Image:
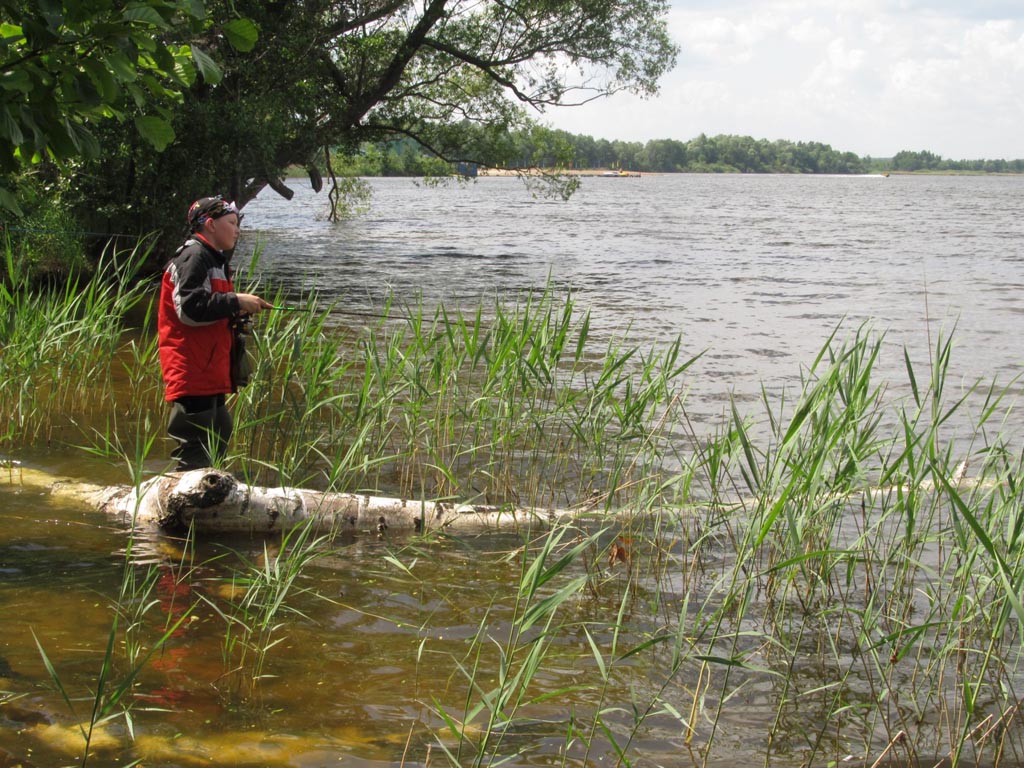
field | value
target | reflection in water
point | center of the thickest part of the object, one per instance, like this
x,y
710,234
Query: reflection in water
x,y
366,659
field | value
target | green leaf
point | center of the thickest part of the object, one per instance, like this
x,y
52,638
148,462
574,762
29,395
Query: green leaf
x,y
57,138
546,607
102,80
53,674
598,656
87,143
121,66
86,90
156,131
9,128
144,39
910,375
163,58
10,31
137,94
241,34
10,202
207,66
155,86
145,14
16,80
197,9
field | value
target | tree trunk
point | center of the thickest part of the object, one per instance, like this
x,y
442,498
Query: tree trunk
x,y
212,501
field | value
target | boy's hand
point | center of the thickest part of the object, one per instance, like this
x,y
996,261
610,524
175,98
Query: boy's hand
x,y
248,302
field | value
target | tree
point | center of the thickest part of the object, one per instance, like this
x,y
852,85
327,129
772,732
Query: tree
x,y
664,155
702,151
326,76
584,152
906,160
627,154
68,64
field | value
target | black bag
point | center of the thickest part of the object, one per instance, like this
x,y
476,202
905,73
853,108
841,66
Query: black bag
x,y
241,365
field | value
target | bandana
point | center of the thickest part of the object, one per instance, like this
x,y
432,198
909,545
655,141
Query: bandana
x,y
206,208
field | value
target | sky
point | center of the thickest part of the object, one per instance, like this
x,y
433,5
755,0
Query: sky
x,y
871,77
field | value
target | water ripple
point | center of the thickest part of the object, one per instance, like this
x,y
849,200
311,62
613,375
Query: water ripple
x,y
718,259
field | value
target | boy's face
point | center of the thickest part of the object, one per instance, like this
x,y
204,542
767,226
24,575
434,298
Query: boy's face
x,y
222,232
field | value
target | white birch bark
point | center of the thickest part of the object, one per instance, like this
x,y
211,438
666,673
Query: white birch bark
x,y
212,501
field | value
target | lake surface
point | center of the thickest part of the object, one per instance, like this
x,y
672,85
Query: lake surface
x,y
753,271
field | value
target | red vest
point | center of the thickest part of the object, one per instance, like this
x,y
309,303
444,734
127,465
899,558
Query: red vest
x,y
197,300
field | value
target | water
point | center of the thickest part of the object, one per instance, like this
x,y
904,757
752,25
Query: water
x,y
756,271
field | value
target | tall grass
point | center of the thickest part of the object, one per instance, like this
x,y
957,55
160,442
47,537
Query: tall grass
x,y
58,346
835,557
260,601
515,406
853,553
855,550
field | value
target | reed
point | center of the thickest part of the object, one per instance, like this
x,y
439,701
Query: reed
x,y
513,404
257,607
850,567
521,651
131,643
516,406
59,344
856,550
829,551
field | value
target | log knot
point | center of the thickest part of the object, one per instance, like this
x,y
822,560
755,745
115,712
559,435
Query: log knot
x,y
209,490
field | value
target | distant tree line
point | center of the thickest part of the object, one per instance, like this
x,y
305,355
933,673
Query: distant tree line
x,y
704,154
545,148
714,154
929,161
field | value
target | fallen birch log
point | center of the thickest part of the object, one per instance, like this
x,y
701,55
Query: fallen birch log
x,y
212,501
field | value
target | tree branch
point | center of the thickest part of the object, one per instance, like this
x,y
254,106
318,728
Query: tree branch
x,y
405,53
347,25
487,67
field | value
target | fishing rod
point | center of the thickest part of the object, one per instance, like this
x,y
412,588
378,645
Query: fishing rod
x,y
333,311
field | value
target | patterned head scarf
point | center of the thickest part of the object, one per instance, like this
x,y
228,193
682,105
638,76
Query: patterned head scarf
x,y
206,208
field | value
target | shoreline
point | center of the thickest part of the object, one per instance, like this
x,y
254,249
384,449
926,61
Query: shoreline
x,y
609,173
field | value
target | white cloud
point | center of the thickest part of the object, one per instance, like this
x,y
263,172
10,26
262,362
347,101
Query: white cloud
x,y
870,76
807,31
833,79
719,38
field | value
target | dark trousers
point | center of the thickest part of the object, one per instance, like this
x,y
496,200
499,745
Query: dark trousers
x,y
202,426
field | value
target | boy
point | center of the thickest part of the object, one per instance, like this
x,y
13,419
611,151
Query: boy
x,y
197,303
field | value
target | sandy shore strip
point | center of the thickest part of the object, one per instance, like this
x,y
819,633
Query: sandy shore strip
x,y
583,172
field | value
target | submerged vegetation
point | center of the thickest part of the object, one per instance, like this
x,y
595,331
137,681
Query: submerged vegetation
x,y
846,565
